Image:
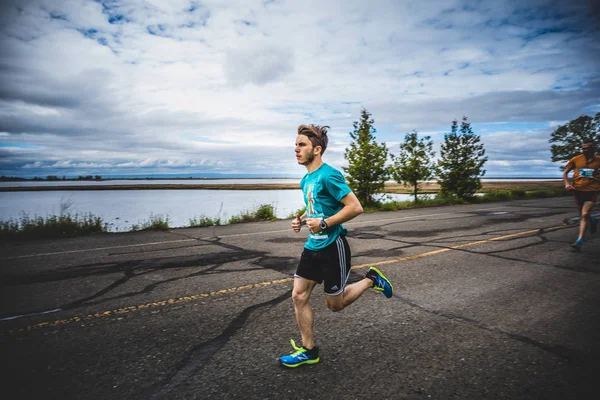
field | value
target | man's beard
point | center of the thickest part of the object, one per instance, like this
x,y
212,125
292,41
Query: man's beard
x,y
309,158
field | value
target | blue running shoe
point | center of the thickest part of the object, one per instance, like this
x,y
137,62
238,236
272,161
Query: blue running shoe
x,y
577,245
300,356
380,282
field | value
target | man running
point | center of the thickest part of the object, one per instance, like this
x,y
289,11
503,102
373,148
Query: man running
x,y
326,256
586,184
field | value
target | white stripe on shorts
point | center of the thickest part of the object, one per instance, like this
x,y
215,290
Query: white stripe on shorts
x,y
343,267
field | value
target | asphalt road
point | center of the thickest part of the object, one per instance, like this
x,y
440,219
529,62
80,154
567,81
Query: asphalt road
x,y
491,302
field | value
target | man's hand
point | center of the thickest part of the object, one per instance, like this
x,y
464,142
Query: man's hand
x,y
296,224
314,224
568,186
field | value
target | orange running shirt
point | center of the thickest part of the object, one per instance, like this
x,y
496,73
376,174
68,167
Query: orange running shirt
x,y
586,177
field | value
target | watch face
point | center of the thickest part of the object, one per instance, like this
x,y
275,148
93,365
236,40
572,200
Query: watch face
x,y
323,224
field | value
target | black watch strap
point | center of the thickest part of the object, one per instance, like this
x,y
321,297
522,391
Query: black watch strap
x,y
323,225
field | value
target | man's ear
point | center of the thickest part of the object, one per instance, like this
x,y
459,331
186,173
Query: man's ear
x,y
320,149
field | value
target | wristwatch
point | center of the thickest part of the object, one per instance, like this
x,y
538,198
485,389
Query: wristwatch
x,y
323,225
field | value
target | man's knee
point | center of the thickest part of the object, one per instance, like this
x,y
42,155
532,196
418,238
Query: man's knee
x,y
335,303
300,296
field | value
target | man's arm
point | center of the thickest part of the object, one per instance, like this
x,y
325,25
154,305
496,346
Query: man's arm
x,y
351,209
568,169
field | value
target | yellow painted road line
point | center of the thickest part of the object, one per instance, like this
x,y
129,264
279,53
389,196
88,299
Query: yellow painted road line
x,y
186,299
154,304
460,246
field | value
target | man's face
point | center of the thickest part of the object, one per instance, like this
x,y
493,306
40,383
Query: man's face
x,y
588,149
305,152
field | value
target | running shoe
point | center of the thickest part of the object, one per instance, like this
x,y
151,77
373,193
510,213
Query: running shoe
x,y
594,225
380,282
300,356
577,245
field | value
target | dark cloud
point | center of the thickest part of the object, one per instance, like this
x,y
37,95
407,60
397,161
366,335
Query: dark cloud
x,y
509,106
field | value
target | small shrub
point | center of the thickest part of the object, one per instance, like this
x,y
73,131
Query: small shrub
x,y
497,195
156,222
52,226
540,194
245,216
390,206
204,221
300,211
518,193
264,212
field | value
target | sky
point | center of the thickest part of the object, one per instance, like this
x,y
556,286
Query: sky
x,y
194,88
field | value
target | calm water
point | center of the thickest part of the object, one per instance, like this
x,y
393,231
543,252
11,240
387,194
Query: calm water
x,y
147,182
123,208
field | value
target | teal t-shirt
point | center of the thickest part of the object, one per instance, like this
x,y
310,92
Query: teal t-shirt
x,y
323,191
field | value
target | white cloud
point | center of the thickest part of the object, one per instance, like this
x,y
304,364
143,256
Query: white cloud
x,y
222,86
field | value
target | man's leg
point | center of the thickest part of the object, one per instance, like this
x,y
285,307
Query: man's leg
x,y
585,220
304,313
308,353
338,295
585,211
593,220
349,295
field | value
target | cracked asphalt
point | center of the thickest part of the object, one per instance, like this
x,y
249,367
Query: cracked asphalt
x,y
490,302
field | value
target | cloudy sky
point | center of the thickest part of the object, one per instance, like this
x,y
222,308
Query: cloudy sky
x,y
142,87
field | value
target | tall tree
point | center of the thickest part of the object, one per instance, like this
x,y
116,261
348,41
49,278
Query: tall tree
x,y
571,135
414,163
366,172
460,167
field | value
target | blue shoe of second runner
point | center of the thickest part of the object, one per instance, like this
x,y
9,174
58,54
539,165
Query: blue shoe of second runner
x,y
577,245
300,356
380,282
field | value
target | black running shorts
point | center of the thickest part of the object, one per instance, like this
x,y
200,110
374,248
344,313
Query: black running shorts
x,y
581,197
332,265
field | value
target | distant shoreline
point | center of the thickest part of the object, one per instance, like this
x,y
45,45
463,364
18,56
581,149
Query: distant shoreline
x,y
41,180
16,179
390,187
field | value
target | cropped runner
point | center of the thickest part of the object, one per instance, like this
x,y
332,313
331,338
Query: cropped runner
x,y
586,184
